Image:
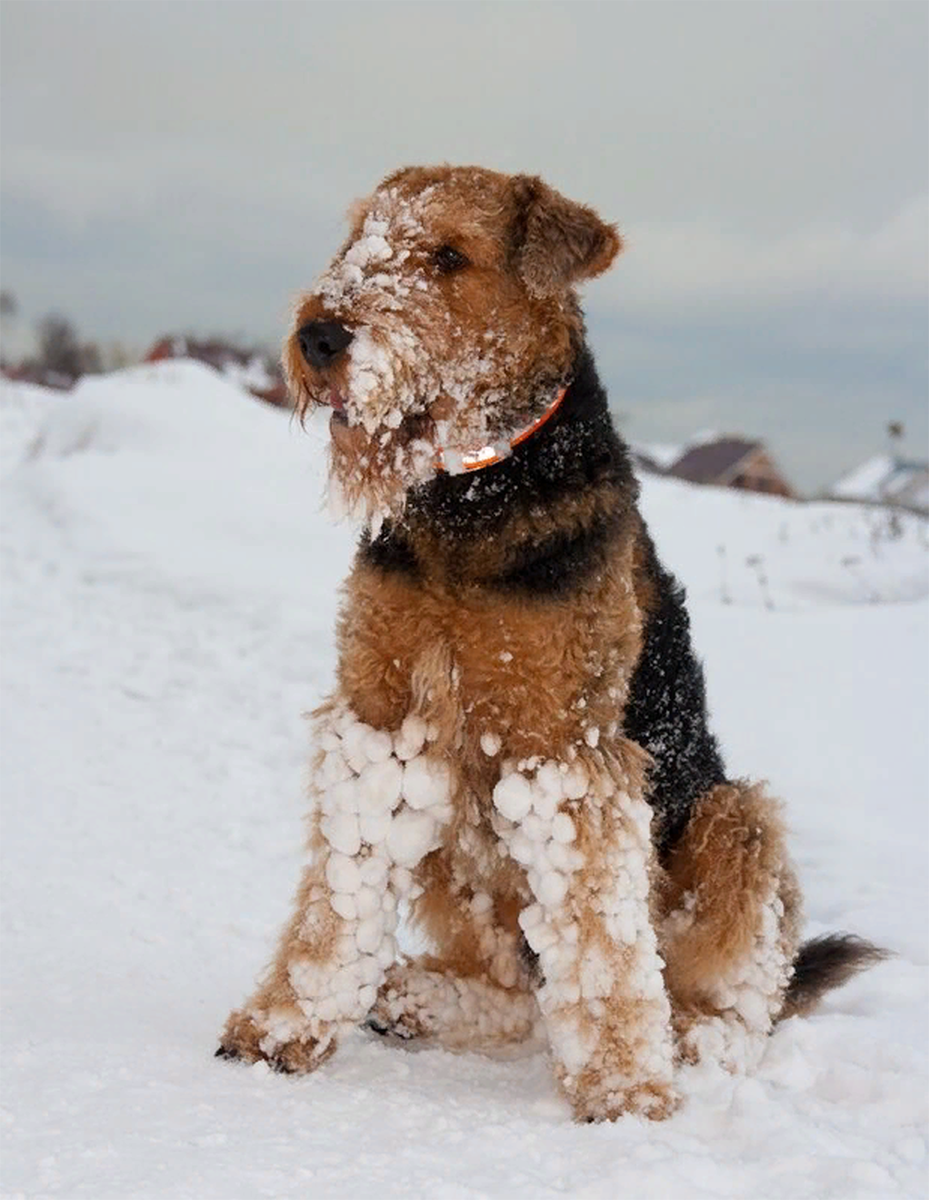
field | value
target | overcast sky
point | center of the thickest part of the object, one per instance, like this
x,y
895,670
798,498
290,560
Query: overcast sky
x,y
185,166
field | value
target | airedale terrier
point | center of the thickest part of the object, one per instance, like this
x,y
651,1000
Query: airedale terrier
x,y
517,745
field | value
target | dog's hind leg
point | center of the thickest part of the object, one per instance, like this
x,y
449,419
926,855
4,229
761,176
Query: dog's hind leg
x,y
474,990
732,926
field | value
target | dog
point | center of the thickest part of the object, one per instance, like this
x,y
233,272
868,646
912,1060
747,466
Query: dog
x,y
517,746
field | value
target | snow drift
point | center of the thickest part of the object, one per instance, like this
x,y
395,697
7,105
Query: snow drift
x,y
170,581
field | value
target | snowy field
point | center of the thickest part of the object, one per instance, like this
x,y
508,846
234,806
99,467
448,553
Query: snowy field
x,y
169,588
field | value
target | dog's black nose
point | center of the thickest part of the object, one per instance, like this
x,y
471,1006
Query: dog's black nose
x,y
323,341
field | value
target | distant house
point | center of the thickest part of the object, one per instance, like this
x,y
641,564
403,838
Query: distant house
x,y
32,372
654,457
720,461
246,368
886,479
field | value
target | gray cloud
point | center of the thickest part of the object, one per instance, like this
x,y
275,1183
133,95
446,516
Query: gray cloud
x,y
170,165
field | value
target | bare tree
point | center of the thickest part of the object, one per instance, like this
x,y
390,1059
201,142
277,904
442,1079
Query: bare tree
x,y
61,352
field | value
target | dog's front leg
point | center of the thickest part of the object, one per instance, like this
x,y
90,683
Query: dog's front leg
x,y
582,833
381,802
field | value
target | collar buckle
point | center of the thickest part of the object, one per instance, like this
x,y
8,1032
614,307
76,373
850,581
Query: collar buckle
x,y
457,462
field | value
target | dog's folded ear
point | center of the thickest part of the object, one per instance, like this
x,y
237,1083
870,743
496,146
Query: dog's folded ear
x,y
556,242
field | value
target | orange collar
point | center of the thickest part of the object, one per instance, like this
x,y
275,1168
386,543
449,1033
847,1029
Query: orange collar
x,y
456,462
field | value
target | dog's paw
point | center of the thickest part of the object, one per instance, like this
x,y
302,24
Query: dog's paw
x,y
253,1037
723,1039
400,1028
657,1101
401,1010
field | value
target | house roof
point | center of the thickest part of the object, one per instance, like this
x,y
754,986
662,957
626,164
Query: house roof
x,y
710,460
658,455
886,478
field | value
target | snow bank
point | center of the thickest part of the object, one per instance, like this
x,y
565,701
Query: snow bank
x,y
169,592
757,551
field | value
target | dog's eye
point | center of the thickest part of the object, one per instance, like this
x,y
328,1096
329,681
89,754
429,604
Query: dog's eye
x,y
448,259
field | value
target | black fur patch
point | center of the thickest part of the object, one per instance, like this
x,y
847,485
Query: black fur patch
x,y
553,567
666,712
389,551
576,448
531,959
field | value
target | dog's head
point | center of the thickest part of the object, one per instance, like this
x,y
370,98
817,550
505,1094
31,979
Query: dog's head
x,y
447,321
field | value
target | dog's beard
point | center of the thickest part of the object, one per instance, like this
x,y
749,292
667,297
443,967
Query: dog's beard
x,y
397,409
382,442
397,406
385,383
371,474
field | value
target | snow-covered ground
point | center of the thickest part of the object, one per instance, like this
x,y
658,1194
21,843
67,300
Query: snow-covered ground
x,y
169,588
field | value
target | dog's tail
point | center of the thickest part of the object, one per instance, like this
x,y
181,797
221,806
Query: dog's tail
x,y
825,963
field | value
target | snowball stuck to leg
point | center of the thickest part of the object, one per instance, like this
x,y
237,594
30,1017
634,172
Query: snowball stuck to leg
x,y
340,941
475,990
603,999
